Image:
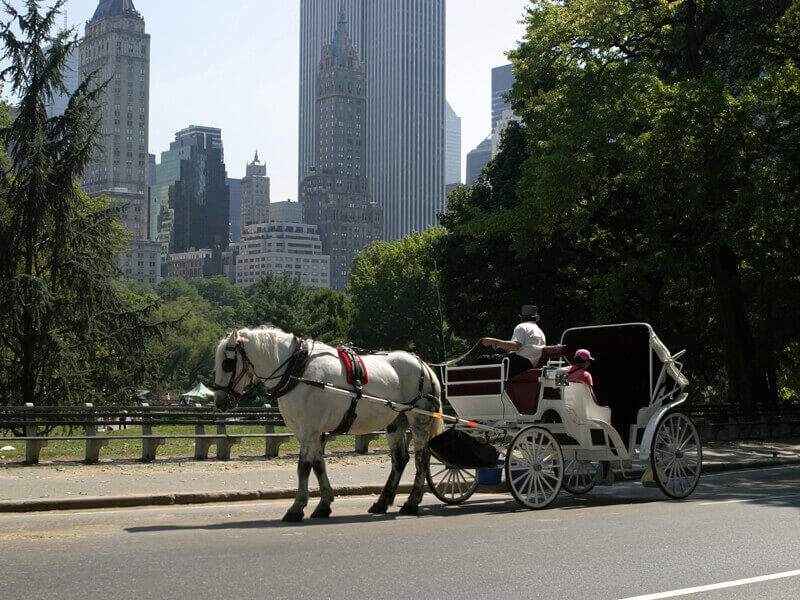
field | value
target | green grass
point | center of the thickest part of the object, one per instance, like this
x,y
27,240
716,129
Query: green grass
x,y
57,449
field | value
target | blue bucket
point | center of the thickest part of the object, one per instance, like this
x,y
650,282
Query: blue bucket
x,y
491,476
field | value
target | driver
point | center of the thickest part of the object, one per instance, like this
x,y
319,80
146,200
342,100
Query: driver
x,y
524,348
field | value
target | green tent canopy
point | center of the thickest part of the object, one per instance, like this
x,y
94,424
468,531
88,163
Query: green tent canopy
x,y
200,393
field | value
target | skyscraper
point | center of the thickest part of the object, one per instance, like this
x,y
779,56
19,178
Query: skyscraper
x,y
117,49
502,81
255,194
72,78
452,150
191,189
478,159
335,195
402,43
235,187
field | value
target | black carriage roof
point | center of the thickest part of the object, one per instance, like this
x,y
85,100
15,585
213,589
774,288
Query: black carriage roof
x,y
628,359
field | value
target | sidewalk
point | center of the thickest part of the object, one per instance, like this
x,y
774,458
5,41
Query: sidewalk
x,y
65,485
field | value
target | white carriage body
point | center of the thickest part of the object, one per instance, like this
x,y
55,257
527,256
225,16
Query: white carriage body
x,y
585,429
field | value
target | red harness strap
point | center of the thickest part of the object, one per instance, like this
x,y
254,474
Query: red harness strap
x,y
353,366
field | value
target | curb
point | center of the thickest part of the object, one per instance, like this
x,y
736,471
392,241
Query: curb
x,y
179,498
185,498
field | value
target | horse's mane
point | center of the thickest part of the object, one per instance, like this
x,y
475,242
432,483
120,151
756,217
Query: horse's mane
x,y
264,340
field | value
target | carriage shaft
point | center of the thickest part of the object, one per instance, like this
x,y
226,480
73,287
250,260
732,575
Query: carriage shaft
x,y
401,407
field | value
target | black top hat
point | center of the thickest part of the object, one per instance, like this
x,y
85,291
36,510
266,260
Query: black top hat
x,y
529,312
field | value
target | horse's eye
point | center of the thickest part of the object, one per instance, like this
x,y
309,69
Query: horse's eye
x,y
228,365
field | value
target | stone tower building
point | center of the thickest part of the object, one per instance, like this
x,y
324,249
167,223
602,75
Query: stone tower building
x,y
116,48
336,194
402,44
255,194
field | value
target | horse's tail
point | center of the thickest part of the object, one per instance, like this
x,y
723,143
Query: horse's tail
x,y
437,427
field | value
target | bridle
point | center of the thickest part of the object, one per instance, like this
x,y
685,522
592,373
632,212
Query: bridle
x,y
234,350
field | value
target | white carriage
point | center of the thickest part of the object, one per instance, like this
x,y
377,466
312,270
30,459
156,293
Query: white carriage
x,y
549,433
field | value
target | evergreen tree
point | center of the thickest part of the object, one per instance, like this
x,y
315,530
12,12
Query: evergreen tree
x,y
68,334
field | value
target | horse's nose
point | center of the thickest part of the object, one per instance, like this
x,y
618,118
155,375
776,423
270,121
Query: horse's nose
x,y
221,400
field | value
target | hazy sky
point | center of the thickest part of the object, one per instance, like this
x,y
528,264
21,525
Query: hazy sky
x,y
234,64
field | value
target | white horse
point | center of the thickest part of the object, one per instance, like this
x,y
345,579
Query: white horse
x,y
272,356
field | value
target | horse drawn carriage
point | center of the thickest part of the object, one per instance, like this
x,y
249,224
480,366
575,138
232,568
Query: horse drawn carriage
x,y
549,433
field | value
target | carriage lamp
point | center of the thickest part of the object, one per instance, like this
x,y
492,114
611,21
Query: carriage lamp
x,y
559,375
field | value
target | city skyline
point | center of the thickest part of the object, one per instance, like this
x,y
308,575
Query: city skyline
x,y
261,112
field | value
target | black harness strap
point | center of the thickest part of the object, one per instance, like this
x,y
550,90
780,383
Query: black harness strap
x,y
295,368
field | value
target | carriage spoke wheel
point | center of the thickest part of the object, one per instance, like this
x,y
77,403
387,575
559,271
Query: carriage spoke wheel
x,y
449,484
534,467
677,457
579,476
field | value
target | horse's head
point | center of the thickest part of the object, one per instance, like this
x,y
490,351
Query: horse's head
x,y
231,368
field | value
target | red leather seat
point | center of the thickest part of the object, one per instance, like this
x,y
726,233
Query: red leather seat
x,y
524,391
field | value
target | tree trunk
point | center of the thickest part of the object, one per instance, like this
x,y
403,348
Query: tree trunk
x,y
28,335
692,44
747,378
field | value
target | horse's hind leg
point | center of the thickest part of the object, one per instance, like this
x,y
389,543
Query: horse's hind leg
x,y
421,435
323,510
398,446
304,464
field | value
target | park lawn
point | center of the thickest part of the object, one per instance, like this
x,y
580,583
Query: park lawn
x,y
59,449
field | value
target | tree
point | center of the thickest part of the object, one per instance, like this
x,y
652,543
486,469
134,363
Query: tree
x,y
658,136
68,333
305,311
394,291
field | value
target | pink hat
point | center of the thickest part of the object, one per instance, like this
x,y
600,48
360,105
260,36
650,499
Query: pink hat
x,y
582,355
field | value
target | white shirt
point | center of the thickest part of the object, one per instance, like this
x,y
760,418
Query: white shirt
x,y
532,339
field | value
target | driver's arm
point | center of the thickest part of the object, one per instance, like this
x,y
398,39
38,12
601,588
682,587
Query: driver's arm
x,y
509,345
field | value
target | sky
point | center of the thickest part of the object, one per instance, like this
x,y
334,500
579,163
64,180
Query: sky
x,y
235,65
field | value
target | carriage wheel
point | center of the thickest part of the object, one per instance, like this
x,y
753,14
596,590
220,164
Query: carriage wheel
x,y
534,467
449,484
677,457
580,476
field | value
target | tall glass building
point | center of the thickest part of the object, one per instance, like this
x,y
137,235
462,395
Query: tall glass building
x,y
502,81
72,80
452,167
402,43
192,193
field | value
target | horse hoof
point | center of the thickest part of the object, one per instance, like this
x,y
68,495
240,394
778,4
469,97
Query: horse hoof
x,y
292,517
379,508
321,512
407,509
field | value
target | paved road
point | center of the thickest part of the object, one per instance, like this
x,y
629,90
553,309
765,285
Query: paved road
x,y
615,543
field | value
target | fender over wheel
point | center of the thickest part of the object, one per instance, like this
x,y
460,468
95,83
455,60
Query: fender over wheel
x,y
450,484
534,467
677,456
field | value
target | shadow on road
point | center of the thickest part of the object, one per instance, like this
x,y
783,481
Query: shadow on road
x,y
772,487
487,508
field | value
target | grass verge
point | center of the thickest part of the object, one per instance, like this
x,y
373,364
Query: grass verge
x,y
58,449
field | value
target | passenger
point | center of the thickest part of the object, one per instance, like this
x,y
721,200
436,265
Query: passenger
x,y
524,348
578,373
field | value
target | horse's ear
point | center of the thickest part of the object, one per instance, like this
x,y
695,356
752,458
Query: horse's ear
x,y
230,332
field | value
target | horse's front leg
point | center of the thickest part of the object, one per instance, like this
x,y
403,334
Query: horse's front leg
x,y
398,446
323,510
304,464
422,454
